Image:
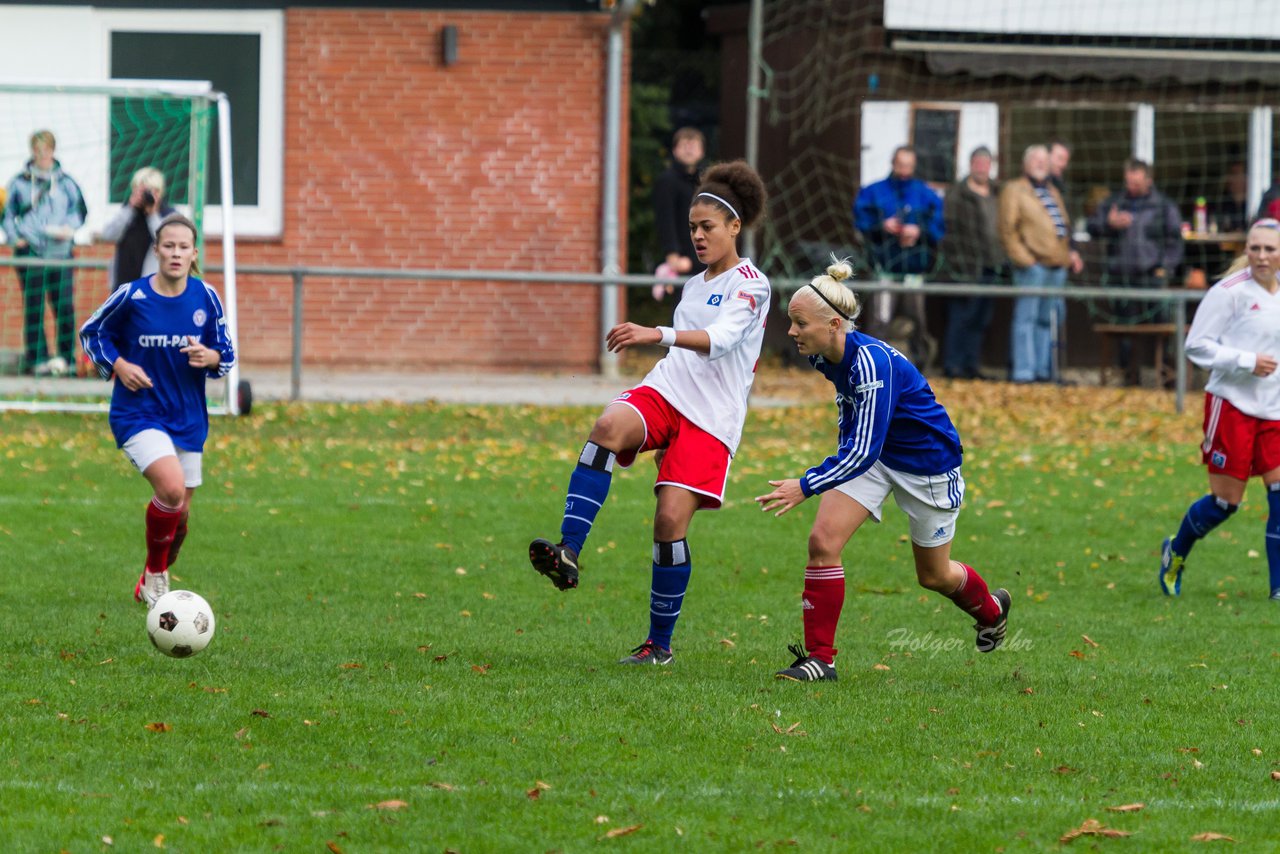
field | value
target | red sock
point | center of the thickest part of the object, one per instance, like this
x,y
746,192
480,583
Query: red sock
x,y
161,523
973,597
179,534
823,599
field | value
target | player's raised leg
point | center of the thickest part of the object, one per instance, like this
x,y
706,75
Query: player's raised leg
x,y
619,428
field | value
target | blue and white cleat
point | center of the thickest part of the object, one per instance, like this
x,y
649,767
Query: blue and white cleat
x,y
1171,566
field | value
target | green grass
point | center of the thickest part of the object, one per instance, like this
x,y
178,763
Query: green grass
x,y
381,638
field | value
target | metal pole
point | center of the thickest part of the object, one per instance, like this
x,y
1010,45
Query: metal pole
x,y
228,247
295,370
610,180
754,27
1180,353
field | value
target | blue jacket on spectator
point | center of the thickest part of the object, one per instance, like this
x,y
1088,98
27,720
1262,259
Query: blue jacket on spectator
x,y
913,203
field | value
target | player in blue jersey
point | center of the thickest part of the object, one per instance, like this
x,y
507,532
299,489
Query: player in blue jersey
x,y
689,409
161,336
895,438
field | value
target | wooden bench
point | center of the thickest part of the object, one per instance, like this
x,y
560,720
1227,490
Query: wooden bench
x,y
1157,332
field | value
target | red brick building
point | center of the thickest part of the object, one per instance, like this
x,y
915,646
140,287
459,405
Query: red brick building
x,y
393,158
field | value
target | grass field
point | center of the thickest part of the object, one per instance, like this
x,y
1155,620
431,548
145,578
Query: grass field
x,y
389,674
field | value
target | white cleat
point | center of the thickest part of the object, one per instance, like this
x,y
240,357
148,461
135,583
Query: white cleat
x,y
150,587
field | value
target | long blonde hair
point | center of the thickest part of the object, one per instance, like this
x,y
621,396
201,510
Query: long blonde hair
x,y
1242,260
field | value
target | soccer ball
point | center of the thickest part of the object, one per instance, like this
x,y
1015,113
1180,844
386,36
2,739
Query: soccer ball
x,y
180,624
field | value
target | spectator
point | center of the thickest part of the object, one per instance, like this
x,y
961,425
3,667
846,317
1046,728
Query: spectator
x,y
901,221
1230,210
43,211
133,228
973,255
1144,248
1035,229
672,195
1059,159
901,218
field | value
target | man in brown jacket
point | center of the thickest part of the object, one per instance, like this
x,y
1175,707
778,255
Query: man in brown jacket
x,y
1035,230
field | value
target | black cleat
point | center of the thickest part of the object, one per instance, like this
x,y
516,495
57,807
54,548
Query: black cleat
x,y
648,653
556,562
990,637
807,668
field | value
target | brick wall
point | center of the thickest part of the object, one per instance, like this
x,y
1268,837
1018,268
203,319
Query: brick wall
x,y
393,160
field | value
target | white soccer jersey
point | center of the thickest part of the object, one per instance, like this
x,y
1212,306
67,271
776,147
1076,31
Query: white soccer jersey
x,y
1237,320
711,390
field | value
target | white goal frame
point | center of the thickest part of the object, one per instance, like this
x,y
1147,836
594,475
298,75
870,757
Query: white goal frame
x,y
182,89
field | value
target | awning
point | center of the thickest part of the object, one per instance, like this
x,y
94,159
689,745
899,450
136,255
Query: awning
x,y
1068,62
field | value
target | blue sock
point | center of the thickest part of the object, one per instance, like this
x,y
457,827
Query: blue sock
x,y
588,488
1273,535
1202,517
671,568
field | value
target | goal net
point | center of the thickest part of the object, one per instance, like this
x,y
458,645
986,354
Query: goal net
x,y
104,133
1186,87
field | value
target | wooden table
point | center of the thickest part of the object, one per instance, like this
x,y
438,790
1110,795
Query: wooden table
x,y
1158,332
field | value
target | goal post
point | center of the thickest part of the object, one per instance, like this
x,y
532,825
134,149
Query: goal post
x,y
105,131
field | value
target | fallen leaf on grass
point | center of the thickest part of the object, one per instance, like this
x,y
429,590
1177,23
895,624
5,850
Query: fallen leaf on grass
x,y
261,713
1127,808
351,665
1275,775
1090,641
602,819
481,668
791,730
727,642
533,794
1075,653
622,831
333,846
158,841
879,667
1210,836
388,805
158,726
241,733
1064,769
1091,827
107,840
448,787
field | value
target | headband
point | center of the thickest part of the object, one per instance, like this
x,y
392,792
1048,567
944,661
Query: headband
x,y
1266,222
823,297
723,202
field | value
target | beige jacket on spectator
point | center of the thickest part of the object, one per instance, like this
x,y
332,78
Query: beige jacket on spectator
x,y
1026,229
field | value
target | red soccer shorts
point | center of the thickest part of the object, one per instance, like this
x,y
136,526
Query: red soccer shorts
x,y
694,459
1236,444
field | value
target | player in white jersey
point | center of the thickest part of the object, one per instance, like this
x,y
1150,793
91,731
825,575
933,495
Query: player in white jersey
x,y
895,438
689,408
1236,337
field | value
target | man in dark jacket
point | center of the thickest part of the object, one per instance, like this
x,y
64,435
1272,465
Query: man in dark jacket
x,y
1144,248
672,195
973,255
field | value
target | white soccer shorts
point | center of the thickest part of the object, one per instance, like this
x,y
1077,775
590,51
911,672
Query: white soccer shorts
x,y
931,501
147,446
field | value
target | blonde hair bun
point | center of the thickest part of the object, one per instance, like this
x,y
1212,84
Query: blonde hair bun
x,y
840,270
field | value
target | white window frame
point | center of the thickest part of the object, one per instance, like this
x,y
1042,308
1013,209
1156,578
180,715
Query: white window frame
x,y
266,218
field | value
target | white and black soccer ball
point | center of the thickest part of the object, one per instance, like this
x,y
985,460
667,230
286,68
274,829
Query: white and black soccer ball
x,y
180,624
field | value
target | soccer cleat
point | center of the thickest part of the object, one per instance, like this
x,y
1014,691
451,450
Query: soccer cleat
x,y
150,587
556,562
806,668
648,653
1171,566
1275,595
990,637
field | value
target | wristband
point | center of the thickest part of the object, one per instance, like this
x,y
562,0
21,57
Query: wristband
x,y
668,336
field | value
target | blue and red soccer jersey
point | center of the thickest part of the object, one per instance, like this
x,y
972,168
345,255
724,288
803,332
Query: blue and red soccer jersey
x,y
150,330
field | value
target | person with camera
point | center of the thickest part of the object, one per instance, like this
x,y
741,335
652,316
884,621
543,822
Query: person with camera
x,y
133,227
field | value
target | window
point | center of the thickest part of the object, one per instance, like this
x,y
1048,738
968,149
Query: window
x,y
242,54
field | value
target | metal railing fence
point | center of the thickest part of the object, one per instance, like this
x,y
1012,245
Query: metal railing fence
x,y
1176,299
